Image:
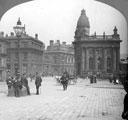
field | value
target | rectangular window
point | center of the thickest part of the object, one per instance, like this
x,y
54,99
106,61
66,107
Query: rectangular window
x,y
8,55
16,44
16,55
24,68
25,55
25,44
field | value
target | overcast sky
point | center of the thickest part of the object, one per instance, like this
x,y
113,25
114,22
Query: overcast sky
x,y
57,19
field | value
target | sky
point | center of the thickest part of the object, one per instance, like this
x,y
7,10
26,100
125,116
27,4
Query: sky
x,y
57,19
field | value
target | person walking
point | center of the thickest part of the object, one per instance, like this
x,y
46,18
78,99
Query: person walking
x,y
38,81
24,82
64,81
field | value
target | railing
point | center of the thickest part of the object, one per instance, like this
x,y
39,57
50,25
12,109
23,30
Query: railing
x,y
99,37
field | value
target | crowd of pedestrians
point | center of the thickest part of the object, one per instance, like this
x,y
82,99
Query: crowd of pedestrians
x,y
16,84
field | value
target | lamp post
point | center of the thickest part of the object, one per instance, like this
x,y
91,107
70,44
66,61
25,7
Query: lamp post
x,y
18,29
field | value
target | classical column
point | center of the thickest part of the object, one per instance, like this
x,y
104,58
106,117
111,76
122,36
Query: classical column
x,y
103,59
95,59
83,60
117,58
87,59
114,59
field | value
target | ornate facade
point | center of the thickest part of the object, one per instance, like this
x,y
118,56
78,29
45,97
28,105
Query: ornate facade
x,y
29,57
97,54
58,58
3,55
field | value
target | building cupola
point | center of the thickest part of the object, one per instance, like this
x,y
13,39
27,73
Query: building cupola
x,y
83,26
83,20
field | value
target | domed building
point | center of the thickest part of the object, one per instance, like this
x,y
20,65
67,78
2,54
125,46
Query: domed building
x,y
95,54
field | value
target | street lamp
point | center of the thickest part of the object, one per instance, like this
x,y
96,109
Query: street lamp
x,y
18,29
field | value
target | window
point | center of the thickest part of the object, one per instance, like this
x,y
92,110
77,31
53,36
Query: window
x,y
55,59
16,55
99,63
8,67
91,51
25,44
109,65
24,68
109,51
99,51
25,55
8,45
91,63
8,55
16,44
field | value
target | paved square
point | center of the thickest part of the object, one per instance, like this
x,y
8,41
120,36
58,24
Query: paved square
x,y
83,101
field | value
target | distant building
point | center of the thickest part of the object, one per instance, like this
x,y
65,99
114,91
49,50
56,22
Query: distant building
x,y
29,56
95,54
58,58
3,55
124,66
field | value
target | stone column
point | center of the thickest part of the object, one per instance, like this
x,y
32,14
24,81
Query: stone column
x,y
103,59
87,59
114,59
83,60
95,59
117,58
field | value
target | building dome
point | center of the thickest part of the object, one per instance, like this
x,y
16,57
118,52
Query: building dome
x,y
83,20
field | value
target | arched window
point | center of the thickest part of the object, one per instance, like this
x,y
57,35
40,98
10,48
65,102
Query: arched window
x,y
109,64
99,63
91,63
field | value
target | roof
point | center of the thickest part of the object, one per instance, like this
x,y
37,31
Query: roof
x,y
83,20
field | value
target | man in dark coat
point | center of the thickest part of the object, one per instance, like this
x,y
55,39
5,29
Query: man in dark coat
x,y
17,86
24,82
125,111
38,81
64,81
9,82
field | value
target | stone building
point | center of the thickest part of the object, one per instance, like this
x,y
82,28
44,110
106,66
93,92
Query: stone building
x,y
97,54
58,58
3,55
29,55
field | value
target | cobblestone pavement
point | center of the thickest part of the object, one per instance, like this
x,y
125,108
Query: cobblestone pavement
x,y
83,101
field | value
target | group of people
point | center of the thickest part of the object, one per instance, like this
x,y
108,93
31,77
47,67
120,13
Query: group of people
x,y
17,84
93,79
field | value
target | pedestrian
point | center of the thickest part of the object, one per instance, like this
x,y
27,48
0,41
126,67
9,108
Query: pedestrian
x,y
64,81
16,85
114,79
91,78
9,82
125,111
24,82
94,78
111,78
38,81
